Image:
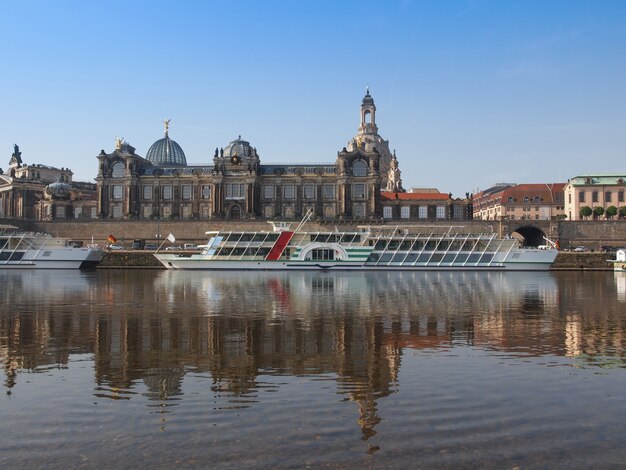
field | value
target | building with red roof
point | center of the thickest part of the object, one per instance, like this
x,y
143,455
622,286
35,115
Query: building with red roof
x,y
543,201
424,204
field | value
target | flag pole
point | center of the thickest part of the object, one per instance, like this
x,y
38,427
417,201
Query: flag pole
x,y
169,238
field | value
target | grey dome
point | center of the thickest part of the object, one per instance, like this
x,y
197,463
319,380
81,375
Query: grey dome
x,y
238,147
166,152
58,189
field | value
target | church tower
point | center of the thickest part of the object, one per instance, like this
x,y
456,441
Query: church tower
x,y
368,139
368,115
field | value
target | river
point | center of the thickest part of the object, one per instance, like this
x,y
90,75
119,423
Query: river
x,y
161,369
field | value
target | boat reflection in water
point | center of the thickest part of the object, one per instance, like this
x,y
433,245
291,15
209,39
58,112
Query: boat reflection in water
x,y
210,343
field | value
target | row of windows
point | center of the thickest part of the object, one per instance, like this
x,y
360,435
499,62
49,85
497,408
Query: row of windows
x,y
422,212
167,191
526,199
608,196
238,191
359,168
309,191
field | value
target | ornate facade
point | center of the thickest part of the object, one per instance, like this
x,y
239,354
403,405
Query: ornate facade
x,y
237,185
41,192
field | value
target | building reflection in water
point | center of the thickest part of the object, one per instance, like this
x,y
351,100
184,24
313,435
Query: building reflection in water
x,y
154,328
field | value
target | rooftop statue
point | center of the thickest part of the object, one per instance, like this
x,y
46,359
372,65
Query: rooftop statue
x,y
394,182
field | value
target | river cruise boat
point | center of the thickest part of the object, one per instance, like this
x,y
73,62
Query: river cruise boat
x,y
367,248
27,250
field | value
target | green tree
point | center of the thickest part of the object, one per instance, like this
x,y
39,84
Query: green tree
x,y
622,211
598,211
611,212
585,211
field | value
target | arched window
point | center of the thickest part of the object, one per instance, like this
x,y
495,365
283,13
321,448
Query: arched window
x,y
118,170
368,117
359,168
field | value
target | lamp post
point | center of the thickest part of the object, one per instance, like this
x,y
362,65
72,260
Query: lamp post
x,y
158,204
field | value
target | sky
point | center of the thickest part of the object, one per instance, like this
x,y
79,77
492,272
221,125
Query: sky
x,y
468,93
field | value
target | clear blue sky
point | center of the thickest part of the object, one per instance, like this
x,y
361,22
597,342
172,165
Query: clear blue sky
x,y
469,93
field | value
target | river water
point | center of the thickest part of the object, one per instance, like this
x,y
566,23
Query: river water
x,y
157,369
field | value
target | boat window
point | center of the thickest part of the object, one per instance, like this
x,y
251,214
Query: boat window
x,y
473,258
455,246
423,258
259,237
393,244
385,257
233,237
436,257
322,254
431,245
405,245
487,257
348,238
449,258
418,245
11,256
461,257
398,258
380,245
372,258
411,258
246,237
443,245
272,237
468,245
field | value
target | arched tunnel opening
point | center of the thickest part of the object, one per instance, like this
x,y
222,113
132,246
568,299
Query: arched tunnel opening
x,y
530,236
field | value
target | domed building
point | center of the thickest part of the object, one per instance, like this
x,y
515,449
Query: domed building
x,y
166,152
362,183
42,192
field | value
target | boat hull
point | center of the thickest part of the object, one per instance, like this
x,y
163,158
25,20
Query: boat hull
x,y
197,263
57,258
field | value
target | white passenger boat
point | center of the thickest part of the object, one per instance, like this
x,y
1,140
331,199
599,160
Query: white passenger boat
x,y
619,263
27,250
367,248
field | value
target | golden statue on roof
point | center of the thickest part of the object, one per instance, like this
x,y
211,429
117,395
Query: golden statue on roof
x,y
167,125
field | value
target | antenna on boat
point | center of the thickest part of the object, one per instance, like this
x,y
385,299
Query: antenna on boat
x,y
305,219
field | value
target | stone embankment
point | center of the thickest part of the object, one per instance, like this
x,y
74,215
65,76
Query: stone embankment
x,y
583,261
564,261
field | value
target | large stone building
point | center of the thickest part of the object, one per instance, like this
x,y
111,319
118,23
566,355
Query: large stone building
x,y
595,192
41,192
363,183
508,201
